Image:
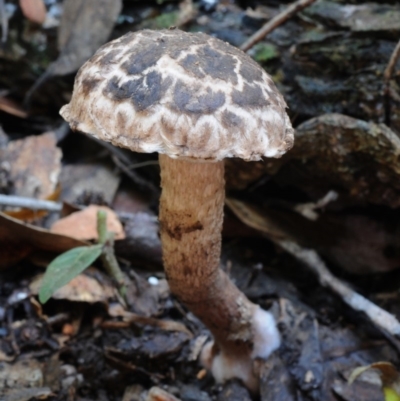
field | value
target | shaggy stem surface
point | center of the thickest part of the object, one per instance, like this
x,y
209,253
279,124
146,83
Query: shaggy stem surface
x,y
191,216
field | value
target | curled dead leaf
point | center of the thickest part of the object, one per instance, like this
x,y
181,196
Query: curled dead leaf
x,y
18,240
83,224
389,375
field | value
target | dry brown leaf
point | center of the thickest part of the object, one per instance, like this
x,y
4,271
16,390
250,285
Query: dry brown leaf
x,y
13,108
187,12
389,375
158,394
82,288
85,26
94,179
254,218
33,10
5,358
33,165
83,224
18,240
27,394
21,374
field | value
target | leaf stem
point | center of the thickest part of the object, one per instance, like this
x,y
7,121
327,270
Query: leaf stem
x,y
108,256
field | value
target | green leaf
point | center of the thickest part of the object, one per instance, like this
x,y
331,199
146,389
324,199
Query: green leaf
x,y
390,394
65,267
265,52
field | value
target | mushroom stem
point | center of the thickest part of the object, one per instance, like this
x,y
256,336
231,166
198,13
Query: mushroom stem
x,y
191,216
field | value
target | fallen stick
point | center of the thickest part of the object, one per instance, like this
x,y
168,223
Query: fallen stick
x,y
377,315
29,203
253,218
392,63
272,24
387,76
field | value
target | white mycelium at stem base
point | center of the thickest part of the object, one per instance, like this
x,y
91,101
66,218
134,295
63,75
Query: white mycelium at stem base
x,y
195,100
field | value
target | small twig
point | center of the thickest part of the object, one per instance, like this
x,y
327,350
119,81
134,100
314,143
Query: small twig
x,y
29,203
108,256
392,63
377,315
272,24
143,164
387,76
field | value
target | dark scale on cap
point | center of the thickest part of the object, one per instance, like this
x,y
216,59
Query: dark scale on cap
x,y
178,41
250,72
231,120
110,57
187,100
146,56
211,62
144,92
191,63
144,96
89,84
118,91
250,96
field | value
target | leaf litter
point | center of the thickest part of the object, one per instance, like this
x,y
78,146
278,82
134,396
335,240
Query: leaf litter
x,y
329,61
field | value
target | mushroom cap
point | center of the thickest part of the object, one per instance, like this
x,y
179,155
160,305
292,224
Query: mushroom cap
x,y
187,95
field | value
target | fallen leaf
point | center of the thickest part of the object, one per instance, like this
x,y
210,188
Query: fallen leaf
x,y
85,26
33,10
11,107
133,392
142,243
158,394
83,224
82,288
18,240
79,181
21,374
389,375
368,17
33,165
5,358
66,267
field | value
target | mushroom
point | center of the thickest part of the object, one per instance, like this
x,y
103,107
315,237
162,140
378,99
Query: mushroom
x,y
195,100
